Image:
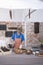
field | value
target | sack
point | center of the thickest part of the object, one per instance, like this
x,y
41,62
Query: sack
x,y
18,51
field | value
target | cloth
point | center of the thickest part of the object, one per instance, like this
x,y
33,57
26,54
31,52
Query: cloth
x,y
15,35
17,43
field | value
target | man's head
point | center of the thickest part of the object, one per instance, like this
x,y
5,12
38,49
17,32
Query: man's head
x,y
19,29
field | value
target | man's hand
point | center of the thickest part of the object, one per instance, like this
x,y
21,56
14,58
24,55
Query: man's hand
x,y
21,45
23,42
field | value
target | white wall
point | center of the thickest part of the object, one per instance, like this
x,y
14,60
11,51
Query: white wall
x,y
4,15
19,15
36,16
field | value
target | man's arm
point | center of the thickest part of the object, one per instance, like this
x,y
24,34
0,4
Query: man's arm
x,y
23,40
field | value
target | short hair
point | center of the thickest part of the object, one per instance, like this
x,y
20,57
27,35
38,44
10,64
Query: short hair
x,y
19,28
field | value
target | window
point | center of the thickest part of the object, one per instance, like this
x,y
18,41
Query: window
x,y
2,27
36,27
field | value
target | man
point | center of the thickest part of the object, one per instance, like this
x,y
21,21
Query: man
x,y
18,38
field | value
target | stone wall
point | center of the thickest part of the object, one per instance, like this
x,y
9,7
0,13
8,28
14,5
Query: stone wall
x,y
33,39
11,25
41,30
29,30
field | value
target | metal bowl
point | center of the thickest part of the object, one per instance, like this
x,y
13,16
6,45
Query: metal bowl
x,y
28,52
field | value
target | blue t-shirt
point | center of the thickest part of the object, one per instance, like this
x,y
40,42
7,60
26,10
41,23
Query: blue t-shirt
x,y
15,35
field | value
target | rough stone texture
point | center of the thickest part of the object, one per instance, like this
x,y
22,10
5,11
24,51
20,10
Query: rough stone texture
x,y
41,30
32,39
